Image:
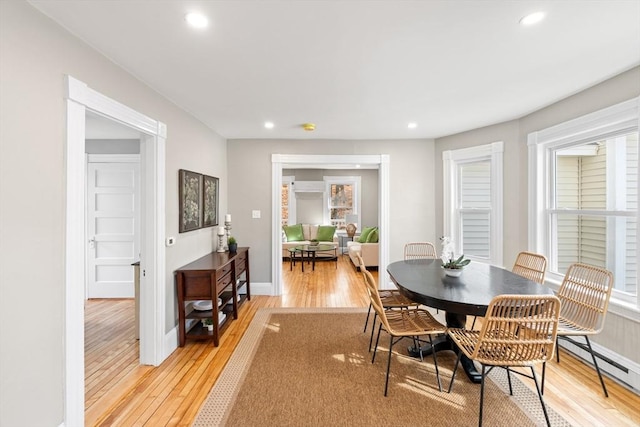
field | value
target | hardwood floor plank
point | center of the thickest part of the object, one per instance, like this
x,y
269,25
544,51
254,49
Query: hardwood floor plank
x,y
122,393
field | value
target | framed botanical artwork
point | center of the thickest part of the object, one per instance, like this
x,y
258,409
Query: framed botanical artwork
x,y
210,201
190,193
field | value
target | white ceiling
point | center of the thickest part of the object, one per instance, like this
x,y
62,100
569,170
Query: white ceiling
x,y
359,69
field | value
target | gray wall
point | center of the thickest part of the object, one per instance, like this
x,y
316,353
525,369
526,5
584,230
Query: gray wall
x,y
35,56
112,146
514,134
411,187
310,205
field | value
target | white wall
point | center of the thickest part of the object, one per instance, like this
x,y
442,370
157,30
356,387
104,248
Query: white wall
x,y
35,56
412,209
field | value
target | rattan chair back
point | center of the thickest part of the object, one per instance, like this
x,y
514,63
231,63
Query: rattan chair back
x,y
584,293
420,250
530,265
518,330
374,298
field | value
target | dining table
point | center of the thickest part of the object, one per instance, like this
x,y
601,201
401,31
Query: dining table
x,y
424,281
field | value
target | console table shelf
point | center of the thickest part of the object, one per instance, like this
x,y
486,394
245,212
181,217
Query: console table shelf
x,y
215,275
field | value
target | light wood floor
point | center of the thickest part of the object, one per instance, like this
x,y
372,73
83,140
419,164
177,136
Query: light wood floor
x,y
120,392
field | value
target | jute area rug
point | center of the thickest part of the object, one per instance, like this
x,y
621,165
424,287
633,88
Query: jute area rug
x,y
311,367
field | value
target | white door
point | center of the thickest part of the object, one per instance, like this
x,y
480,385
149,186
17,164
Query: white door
x,y
112,225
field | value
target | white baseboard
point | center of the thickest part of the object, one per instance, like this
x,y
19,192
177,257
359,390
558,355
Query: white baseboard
x,y
170,342
261,289
630,378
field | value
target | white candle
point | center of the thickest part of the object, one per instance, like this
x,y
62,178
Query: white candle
x,y
220,231
227,218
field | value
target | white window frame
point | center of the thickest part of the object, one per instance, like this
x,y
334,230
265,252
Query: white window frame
x,y
452,159
603,124
355,181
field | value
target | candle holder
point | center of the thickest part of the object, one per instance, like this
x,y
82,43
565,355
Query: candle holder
x,y
220,243
227,227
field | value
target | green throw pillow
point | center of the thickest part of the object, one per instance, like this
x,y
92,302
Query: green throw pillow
x,y
326,232
293,232
373,236
365,234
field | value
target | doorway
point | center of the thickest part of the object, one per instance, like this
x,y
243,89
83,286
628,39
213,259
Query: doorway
x,y
294,161
80,99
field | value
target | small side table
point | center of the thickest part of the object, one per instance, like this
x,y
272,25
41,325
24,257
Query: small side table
x,y
342,241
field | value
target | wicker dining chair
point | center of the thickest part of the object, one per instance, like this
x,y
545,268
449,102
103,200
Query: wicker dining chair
x,y
584,294
391,299
518,331
420,250
529,265
409,322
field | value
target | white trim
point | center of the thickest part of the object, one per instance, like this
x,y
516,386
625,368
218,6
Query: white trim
x,y
451,159
74,267
80,99
297,161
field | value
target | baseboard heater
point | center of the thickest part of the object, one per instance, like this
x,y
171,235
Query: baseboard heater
x,y
620,368
601,356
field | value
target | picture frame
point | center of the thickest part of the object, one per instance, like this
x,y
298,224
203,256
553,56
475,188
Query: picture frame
x,y
211,189
190,195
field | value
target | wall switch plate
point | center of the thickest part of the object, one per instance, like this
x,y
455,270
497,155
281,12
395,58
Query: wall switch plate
x,y
255,214
171,241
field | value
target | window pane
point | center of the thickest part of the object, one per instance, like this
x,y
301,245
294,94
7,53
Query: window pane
x,y
475,185
476,234
598,175
284,203
583,238
631,145
340,203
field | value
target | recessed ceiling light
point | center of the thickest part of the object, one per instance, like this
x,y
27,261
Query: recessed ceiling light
x,y
532,18
196,20
412,125
268,125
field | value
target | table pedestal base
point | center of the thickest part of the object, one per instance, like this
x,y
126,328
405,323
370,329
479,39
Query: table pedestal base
x,y
443,343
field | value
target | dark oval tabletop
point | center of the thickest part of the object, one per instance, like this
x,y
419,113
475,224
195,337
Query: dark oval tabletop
x,y
424,281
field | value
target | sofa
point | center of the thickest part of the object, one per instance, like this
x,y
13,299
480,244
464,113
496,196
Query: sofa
x,y
302,234
367,247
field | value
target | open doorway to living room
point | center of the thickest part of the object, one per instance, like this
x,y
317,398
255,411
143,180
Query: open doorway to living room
x,y
282,162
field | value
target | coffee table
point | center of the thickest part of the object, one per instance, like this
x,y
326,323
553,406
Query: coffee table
x,y
309,252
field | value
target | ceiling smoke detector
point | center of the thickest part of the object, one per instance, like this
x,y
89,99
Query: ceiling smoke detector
x,y
309,127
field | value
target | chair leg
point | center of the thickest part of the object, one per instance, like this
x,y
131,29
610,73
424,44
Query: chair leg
x,y
435,363
373,327
544,407
416,345
474,322
375,349
455,369
386,383
509,380
366,322
557,351
481,395
593,356
544,371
